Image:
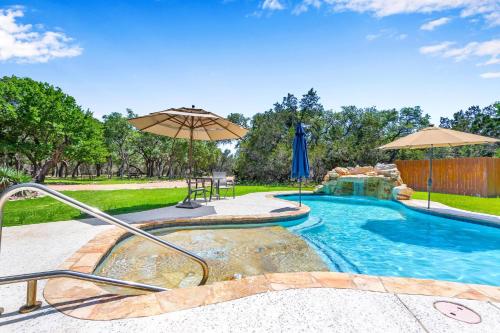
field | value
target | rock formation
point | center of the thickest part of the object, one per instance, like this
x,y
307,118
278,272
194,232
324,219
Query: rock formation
x,y
382,181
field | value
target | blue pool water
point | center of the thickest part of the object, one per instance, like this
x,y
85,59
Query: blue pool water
x,y
379,237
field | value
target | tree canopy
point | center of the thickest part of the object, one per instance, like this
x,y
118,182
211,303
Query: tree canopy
x,y
43,131
45,125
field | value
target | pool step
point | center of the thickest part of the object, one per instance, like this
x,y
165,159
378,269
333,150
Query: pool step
x,y
333,258
310,223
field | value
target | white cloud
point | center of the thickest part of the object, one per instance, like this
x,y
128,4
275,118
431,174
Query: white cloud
x,y
491,75
387,34
371,37
24,43
272,5
304,6
488,9
492,61
436,48
431,25
490,49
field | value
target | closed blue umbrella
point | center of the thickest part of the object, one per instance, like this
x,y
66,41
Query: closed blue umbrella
x,y
300,162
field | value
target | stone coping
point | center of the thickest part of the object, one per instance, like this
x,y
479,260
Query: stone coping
x,y
87,300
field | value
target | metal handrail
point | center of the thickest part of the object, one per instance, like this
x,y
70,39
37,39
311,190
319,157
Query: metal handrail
x,y
79,276
32,278
99,215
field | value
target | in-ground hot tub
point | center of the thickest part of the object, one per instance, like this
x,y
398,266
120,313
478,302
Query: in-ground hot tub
x,y
231,252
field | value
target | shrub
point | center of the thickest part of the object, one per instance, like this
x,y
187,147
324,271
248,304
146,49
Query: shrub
x,y
9,176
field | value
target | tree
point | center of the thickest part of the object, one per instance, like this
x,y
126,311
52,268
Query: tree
x,y
41,122
485,121
89,148
239,119
348,137
119,137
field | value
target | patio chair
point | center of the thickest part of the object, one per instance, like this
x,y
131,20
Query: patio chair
x,y
198,189
221,181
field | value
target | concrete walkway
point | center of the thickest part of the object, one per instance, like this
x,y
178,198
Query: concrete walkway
x,y
44,246
447,211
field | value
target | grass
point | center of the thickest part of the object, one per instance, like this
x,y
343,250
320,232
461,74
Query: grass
x,y
45,209
100,180
473,204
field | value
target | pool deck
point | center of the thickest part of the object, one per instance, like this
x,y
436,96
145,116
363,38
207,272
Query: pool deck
x,y
288,305
439,209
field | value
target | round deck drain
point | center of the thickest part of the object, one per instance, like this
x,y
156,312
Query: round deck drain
x,y
458,311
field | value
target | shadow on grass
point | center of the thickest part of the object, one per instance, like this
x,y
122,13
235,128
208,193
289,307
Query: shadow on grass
x,y
20,221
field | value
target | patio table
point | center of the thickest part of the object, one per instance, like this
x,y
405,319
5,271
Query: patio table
x,y
210,180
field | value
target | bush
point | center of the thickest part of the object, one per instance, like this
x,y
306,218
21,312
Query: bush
x,y
9,176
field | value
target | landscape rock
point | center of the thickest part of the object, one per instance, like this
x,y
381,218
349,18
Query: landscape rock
x,y
402,192
341,171
382,181
361,170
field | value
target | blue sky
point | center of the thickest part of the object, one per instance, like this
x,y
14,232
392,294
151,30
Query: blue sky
x,y
244,55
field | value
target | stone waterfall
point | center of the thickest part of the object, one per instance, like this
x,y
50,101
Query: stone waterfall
x,y
382,181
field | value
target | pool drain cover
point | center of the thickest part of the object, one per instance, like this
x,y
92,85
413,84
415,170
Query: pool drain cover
x,y
458,311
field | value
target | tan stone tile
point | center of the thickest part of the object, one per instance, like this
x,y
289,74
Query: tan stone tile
x,y
83,311
82,269
185,298
368,282
95,248
472,294
282,281
71,288
492,292
129,307
426,287
88,259
334,280
229,290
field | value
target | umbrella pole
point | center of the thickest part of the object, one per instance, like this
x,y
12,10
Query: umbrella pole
x,y
429,180
187,203
300,192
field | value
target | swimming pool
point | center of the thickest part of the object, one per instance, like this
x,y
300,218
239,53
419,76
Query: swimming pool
x,y
378,237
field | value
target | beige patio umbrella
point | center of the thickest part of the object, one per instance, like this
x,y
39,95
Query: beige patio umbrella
x,y
431,137
192,124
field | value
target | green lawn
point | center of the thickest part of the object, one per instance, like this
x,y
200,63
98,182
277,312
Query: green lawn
x,y
46,209
99,180
474,204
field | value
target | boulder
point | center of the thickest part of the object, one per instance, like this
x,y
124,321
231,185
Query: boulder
x,y
388,170
402,192
361,170
318,189
341,171
382,167
331,175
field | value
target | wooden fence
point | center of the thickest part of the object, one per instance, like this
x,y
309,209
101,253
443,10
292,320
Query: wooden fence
x,y
478,176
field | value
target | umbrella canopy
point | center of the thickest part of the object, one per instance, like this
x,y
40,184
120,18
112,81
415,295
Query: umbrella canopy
x,y
437,137
192,124
189,123
431,137
300,161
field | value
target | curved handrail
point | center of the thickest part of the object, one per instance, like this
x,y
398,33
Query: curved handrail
x,y
99,215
